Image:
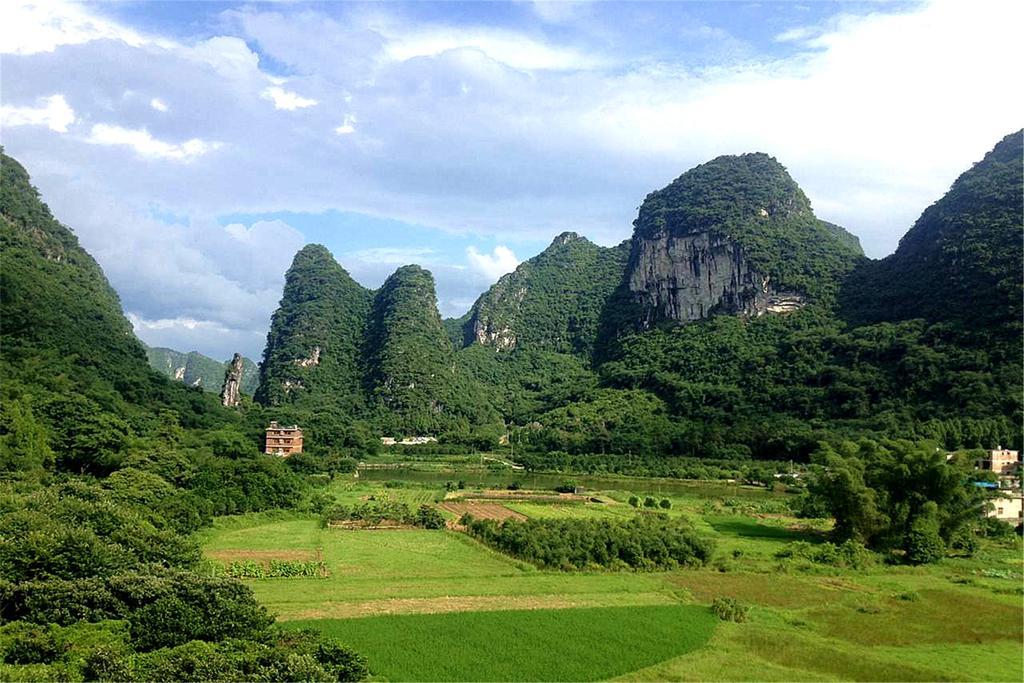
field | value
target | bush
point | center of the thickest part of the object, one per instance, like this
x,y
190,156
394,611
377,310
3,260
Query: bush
x,y
847,555
634,501
729,609
650,502
429,517
665,504
645,542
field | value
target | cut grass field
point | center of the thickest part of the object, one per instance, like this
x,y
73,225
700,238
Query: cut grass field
x,y
393,593
536,645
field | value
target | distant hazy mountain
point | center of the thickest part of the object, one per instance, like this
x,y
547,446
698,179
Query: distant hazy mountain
x,y
196,370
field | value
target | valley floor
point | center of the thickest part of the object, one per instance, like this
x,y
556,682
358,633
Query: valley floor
x,y
437,605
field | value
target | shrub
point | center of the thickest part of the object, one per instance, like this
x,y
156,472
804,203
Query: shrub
x,y
665,504
730,609
645,542
650,502
634,501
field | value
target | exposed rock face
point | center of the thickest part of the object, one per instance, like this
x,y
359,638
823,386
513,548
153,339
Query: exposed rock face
x,y
231,394
688,277
312,360
736,236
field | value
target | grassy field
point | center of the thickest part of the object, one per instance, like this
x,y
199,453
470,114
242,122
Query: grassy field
x,y
436,605
530,645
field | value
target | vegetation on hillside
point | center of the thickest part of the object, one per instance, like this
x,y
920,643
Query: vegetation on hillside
x,y
106,468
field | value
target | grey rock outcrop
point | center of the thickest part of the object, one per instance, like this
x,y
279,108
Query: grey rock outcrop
x,y
231,394
689,277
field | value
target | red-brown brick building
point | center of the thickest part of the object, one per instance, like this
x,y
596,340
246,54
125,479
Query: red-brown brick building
x,y
283,441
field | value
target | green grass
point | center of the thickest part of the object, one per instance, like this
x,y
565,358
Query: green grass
x,y
962,621
376,566
530,645
571,510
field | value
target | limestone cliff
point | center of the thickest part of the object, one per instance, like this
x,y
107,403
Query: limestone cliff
x,y
735,235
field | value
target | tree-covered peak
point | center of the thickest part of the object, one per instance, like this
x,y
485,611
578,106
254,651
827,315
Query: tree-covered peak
x,y
962,258
751,202
567,237
720,194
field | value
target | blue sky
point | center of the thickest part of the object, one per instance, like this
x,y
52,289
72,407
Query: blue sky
x,y
195,146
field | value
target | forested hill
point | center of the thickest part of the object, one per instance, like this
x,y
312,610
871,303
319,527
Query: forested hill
x,y
193,369
552,302
340,352
961,261
67,347
734,323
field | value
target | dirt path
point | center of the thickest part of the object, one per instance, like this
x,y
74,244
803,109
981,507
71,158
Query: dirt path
x,y
476,603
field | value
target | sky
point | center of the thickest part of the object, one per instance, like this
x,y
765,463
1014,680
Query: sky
x,y
194,147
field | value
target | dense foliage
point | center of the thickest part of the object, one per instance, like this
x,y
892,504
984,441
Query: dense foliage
x,y
961,261
900,496
106,467
553,302
383,513
646,542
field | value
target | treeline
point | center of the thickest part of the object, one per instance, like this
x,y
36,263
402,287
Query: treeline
x,y
644,542
760,472
383,512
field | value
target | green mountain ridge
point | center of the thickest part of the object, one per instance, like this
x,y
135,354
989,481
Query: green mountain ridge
x,y
382,356
961,261
722,327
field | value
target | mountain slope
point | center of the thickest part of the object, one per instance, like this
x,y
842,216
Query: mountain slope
x,y
54,295
551,302
962,259
410,368
313,353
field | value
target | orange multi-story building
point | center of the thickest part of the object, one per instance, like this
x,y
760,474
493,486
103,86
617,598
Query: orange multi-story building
x,y
283,441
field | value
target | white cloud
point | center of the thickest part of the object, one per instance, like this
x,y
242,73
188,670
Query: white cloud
x,y
511,48
146,145
55,114
286,100
559,11
392,255
492,266
141,324
30,27
348,125
158,104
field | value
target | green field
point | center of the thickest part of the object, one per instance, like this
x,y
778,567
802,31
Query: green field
x,y
550,645
436,605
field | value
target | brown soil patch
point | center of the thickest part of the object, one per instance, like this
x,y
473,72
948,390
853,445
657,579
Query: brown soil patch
x,y
482,510
363,526
474,603
262,555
